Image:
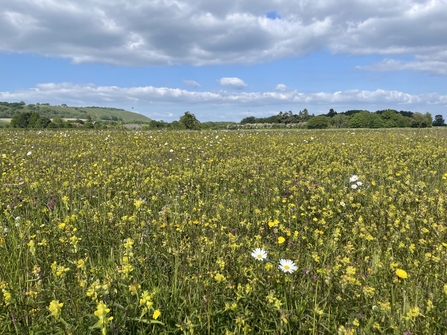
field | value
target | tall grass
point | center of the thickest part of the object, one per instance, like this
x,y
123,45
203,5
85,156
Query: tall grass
x,y
153,232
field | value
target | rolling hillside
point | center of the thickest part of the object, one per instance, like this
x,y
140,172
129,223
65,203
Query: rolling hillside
x,y
7,110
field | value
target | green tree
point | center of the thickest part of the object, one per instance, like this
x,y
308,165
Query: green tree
x,y
365,120
331,113
43,122
303,115
439,121
33,120
248,119
340,121
20,120
52,125
318,122
391,119
58,122
176,125
190,121
429,118
419,120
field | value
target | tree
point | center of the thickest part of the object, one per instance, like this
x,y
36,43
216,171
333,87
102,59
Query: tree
x,y
318,122
331,113
176,125
439,121
303,115
419,120
189,121
429,119
392,119
366,120
58,122
33,120
20,120
340,121
248,119
43,122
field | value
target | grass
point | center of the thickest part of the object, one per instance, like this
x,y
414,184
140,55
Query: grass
x,y
96,113
152,232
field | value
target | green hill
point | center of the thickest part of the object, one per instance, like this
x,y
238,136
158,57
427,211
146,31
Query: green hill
x,y
8,110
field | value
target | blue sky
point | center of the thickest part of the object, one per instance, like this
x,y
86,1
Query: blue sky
x,y
225,60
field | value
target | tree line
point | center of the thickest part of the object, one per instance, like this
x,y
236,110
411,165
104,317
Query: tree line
x,y
388,118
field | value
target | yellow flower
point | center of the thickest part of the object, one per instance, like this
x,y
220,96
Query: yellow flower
x,y
281,240
273,223
156,314
219,277
7,296
55,308
101,313
401,273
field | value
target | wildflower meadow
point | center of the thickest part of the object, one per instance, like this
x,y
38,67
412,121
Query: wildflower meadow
x,y
223,232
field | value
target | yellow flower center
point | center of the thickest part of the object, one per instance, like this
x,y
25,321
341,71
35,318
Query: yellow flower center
x,y
259,255
287,267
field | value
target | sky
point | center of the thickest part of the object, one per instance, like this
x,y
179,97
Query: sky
x,y
224,60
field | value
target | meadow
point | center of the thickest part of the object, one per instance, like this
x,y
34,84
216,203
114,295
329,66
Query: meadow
x,y
223,232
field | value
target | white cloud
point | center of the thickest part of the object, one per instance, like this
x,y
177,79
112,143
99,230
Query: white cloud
x,y
435,67
191,83
222,31
89,94
281,87
233,82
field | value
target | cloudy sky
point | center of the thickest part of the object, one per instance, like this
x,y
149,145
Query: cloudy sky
x,y
224,60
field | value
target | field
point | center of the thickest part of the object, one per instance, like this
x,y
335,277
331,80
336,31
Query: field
x,y
4,122
230,232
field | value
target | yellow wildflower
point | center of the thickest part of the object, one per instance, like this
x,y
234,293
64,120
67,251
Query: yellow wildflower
x,y
401,273
55,308
156,314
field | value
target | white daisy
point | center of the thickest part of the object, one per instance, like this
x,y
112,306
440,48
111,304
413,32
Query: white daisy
x,y
354,186
354,178
359,183
286,265
259,254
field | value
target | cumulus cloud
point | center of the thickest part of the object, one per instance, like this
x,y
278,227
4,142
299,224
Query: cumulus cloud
x,y
191,83
233,82
222,31
89,94
281,87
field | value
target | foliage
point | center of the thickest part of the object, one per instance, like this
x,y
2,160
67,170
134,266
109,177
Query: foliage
x,y
189,121
439,121
419,120
340,121
393,119
154,232
29,120
8,110
388,118
280,118
318,122
365,120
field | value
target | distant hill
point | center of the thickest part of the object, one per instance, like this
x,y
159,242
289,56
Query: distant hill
x,y
9,109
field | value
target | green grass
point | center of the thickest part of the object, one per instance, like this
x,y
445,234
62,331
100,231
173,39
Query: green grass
x,y
152,232
95,113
